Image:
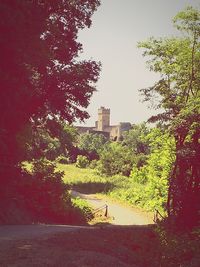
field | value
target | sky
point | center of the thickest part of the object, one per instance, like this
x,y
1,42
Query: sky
x,y
117,27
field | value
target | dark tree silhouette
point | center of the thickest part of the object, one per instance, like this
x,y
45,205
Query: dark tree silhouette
x,y
40,79
40,74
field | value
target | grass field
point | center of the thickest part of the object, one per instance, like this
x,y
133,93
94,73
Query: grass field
x,y
74,175
89,181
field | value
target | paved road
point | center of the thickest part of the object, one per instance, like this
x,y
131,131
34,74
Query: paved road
x,y
122,215
92,247
15,232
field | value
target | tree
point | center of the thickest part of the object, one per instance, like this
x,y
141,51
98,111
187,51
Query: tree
x,y
156,170
65,133
135,140
41,80
115,159
178,62
42,145
40,73
92,142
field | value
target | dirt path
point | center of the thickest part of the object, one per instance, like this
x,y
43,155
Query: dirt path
x,y
121,215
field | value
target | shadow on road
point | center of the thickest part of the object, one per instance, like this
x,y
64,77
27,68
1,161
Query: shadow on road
x,y
100,246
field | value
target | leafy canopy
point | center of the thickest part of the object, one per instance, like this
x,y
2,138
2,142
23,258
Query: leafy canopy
x,y
40,71
177,60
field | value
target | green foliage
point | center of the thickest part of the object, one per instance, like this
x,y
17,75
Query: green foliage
x,y
94,164
53,52
135,140
85,180
147,185
65,133
91,142
42,84
139,175
82,161
115,159
187,20
40,193
52,139
177,60
83,206
89,181
40,144
48,198
155,173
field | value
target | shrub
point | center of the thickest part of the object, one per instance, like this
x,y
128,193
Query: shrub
x,y
46,194
63,160
115,159
83,207
156,172
39,195
92,142
82,161
94,164
139,175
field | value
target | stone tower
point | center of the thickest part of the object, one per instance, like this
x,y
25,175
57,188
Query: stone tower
x,y
103,118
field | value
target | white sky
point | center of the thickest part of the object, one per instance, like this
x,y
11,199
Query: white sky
x,y
117,27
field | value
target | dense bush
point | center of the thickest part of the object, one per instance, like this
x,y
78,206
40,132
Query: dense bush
x,y
83,206
120,157
46,194
94,164
92,142
82,161
115,159
38,195
90,145
135,139
156,172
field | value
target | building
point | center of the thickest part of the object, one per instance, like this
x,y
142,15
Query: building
x,y
102,126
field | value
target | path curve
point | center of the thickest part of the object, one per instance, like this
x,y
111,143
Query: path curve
x,y
121,215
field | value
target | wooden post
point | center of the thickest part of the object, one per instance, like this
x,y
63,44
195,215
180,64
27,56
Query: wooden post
x,y
106,212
